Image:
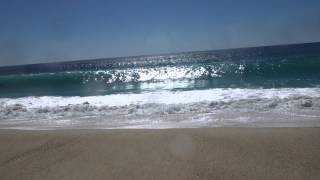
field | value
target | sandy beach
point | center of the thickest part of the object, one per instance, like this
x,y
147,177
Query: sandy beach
x,y
213,153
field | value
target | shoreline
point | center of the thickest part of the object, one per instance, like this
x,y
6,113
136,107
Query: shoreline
x,y
206,153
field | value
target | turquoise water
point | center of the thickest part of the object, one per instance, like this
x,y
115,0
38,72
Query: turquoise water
x,y
293,66
275,86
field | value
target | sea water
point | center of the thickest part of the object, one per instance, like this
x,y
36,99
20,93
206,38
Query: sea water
x,y
274,86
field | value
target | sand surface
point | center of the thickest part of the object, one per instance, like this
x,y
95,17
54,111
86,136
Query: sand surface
x,y
216,153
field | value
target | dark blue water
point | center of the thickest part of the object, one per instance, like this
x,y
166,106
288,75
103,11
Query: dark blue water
x,y
289,66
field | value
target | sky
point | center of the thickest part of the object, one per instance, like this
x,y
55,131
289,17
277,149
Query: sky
x,y
40,31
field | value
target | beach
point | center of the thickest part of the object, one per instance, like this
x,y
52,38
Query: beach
x,y
210,153
160,90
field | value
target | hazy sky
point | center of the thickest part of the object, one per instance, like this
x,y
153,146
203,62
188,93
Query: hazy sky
x,y
34,31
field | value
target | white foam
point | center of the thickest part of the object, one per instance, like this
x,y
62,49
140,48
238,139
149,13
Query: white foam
x,y
167,109
152,74
162,97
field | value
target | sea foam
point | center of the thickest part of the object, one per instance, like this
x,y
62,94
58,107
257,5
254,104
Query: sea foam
x,y
166,109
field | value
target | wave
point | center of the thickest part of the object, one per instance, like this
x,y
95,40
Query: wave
x,y
207,108
279,73
264,86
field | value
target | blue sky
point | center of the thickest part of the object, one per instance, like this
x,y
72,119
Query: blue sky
x,y
36,31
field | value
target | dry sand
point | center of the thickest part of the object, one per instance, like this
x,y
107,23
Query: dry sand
x,y
216,153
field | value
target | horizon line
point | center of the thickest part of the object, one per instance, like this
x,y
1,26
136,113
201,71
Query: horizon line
x,y
159,54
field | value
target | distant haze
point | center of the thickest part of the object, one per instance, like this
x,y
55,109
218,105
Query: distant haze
x,y
39,31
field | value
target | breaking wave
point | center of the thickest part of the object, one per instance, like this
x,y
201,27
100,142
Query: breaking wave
x,y
263,86
184,77
208,108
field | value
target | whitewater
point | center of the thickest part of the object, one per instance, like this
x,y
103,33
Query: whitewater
x,y
274,86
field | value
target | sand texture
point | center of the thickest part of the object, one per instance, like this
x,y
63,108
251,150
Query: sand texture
x,y
213,153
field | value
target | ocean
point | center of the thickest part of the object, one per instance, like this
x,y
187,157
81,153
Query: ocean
x,y
271,86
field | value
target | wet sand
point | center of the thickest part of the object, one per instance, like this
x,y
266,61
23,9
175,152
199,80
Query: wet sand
x,y
213,153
